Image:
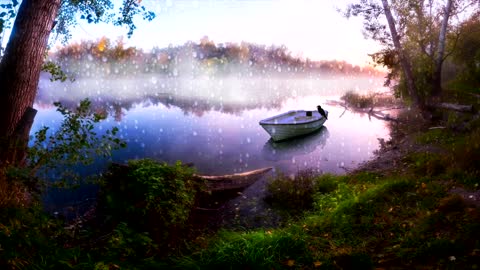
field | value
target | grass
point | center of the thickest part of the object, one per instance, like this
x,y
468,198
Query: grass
x,y
293,196
364,221
252,250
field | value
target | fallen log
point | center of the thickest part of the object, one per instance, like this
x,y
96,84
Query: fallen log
x,y
455,107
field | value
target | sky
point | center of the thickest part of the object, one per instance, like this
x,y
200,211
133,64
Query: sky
x,y
308,28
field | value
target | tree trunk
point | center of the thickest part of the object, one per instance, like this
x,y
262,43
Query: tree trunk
x,y
404,62
437,73
19,74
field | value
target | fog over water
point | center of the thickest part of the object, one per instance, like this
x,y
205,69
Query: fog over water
x,y
213,122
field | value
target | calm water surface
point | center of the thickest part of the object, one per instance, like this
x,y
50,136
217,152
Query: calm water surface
x,y
213,123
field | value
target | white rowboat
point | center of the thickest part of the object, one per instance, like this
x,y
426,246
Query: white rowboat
x,y
292,124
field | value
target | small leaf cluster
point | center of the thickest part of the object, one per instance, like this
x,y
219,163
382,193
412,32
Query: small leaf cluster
x,y
7,12
129,9
56,72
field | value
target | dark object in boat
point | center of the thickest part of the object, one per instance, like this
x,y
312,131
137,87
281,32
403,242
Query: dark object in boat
x,y
309,113
321,111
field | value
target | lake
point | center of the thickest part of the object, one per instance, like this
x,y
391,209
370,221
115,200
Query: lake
x,y
213,122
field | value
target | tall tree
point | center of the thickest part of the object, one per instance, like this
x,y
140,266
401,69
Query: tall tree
x,y
404,61
437,73
417,29
22,61
20,71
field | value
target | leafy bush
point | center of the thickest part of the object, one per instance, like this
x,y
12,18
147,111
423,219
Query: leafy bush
x,y
151,196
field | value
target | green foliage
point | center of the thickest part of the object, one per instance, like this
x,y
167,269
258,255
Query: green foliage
x,y
325,203
75,141
7,12
355,216
436,136
31,240
252,250
125,248
98,11
467,53
367,101
169,190
356,100
296,195
423,74
130,244
151,196
56,72
427,163
127,12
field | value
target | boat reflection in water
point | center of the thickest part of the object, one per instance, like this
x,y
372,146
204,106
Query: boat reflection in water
x,y
288,149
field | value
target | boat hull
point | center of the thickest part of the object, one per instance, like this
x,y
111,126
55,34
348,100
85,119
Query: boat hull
x,y
281,130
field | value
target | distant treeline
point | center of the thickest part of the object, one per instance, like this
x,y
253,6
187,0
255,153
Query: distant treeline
x,y
104,57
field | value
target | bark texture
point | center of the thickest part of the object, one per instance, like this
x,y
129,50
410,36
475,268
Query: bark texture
x,y
437,73
20,71
404,62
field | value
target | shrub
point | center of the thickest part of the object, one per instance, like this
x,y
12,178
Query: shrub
x,y
467,153
367,101
296,194
151,196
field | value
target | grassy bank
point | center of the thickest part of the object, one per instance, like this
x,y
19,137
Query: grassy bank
x,y
416,206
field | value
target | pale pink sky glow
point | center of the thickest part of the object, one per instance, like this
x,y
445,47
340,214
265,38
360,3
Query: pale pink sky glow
x,y
309,28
